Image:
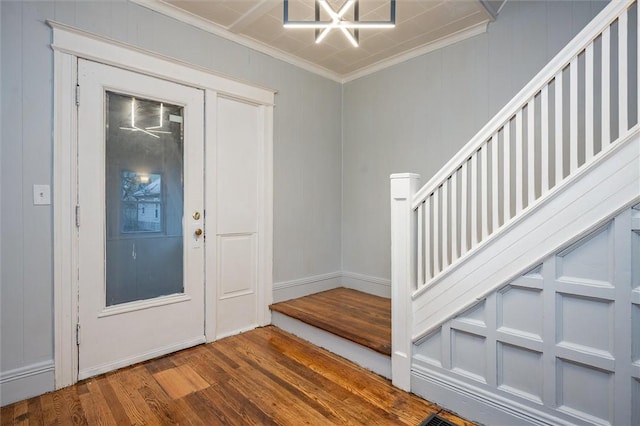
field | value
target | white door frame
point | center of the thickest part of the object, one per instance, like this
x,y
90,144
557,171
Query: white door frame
x,y
69,44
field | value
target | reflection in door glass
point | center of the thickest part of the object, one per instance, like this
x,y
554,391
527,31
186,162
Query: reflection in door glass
x,y
144,199
141,202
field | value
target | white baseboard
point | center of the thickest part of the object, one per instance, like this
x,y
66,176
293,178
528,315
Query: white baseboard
x,y
26,382
477,404
287,290
365,357
367,284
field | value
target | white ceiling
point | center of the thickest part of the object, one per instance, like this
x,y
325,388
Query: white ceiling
x,y
421,25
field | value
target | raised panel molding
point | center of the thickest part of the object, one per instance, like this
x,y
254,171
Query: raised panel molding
x,y
558,345
237,265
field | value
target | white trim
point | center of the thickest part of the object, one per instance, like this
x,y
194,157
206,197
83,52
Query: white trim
x,y
307,280
25,382
210,215
441,43
210,27
26,371
64,234
139,305
479,405
367,284
368,278
87,45
92,372
286,290
69,44
293,289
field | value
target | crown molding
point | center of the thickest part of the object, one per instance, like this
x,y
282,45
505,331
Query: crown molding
x,y
418,51
210,27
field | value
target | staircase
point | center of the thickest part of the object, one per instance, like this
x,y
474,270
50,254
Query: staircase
x,y
516,268
347,322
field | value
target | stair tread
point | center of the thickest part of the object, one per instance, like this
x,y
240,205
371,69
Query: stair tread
x,y
362,318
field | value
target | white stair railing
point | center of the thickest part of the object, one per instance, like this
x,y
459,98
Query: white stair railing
x,y
567,117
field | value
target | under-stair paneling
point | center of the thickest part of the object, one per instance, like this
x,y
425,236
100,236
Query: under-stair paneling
x,y
558,345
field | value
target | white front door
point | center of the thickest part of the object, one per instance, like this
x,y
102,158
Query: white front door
x,y
141,218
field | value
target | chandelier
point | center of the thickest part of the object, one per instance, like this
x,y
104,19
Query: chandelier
x,y
350,28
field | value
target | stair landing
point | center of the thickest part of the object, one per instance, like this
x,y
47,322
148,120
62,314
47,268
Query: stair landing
x,y
353,315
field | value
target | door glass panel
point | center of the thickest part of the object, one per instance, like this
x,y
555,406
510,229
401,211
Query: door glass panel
x,y
144,199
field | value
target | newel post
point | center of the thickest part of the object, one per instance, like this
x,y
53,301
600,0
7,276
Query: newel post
x,y
403,275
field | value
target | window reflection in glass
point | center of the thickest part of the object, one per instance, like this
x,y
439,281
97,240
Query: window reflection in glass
x,y
141,202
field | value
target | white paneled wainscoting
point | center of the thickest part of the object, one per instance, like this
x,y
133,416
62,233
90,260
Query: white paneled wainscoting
x,y
558,345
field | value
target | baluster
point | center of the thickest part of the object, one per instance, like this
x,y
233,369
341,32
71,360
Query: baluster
x,y
427,238
463,209
436,232
606,88
506,169
544,139
573,115
420,242
519,165
473,189
484,192
623,120
559,136
454,216
494,184
531,146
445,224
588,103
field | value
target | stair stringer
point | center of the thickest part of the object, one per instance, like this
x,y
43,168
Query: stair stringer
x,y
583,201
557,345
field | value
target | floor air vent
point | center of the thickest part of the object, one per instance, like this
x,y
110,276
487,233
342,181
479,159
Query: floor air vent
x,y
435,420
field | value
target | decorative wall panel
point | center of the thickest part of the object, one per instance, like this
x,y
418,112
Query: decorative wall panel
x,y
585,391
520,371
558,345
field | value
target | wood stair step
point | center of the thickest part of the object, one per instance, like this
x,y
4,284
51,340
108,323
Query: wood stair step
x,y
362,318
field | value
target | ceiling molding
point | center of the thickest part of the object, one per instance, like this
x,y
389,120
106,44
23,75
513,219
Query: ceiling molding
x,y
206,25
419,51
250,17
226,33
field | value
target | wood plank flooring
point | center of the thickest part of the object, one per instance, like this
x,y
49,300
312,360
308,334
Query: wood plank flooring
x,y
262,377
360,317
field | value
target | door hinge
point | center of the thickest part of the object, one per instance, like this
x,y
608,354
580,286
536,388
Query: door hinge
x,y
77,216
77,334
77,94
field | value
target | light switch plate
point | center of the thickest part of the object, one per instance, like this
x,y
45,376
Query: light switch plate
x,y
41,195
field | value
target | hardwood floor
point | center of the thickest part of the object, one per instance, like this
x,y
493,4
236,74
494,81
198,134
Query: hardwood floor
x,y
262,377
360,317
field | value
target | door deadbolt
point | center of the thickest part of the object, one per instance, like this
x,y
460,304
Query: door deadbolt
x,y
196,215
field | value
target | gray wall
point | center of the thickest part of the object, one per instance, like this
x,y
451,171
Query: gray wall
x,y
307,152
416,115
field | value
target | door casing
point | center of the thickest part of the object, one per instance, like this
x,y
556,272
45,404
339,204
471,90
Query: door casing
x,y
69,44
